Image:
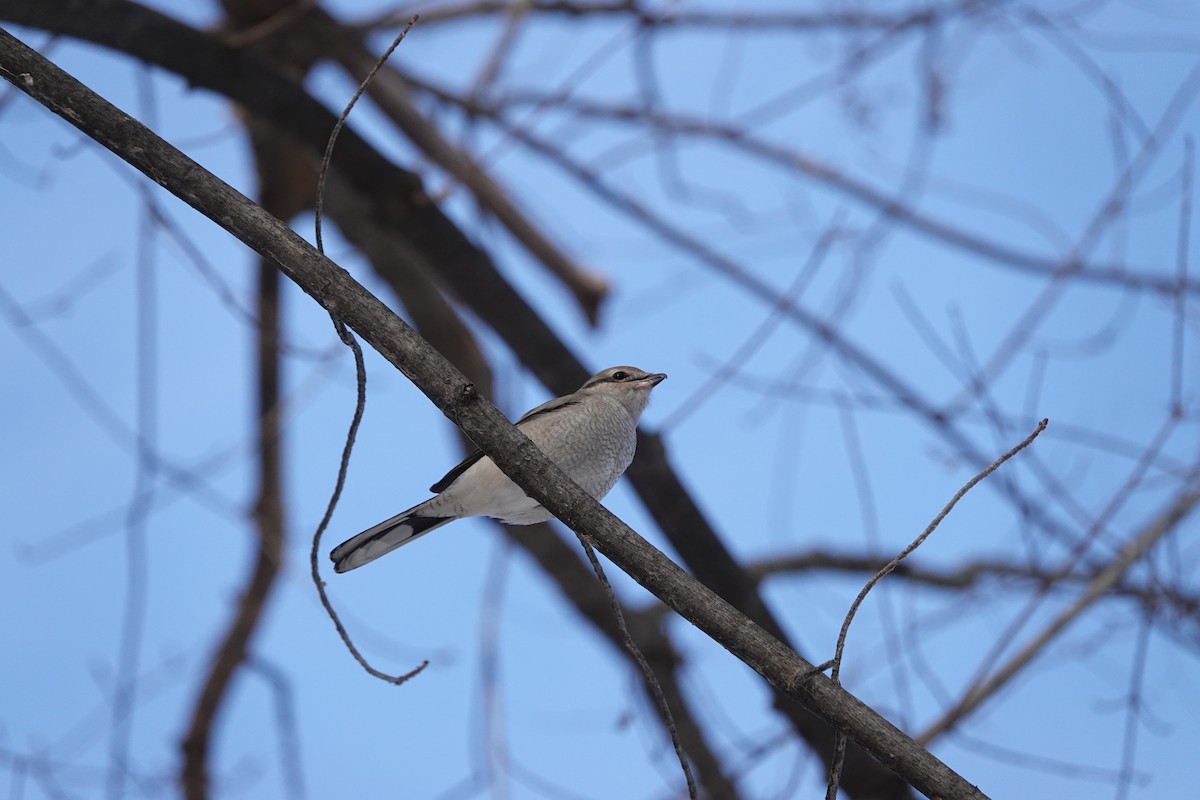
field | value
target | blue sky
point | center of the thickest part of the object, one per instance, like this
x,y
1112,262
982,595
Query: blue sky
x,y
785,457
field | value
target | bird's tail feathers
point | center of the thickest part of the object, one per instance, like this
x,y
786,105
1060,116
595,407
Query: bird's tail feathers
x,y
384,538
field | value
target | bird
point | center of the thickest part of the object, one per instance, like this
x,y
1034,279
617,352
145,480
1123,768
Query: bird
x,y
590,434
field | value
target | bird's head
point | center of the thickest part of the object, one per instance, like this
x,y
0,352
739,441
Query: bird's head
x,y
630,385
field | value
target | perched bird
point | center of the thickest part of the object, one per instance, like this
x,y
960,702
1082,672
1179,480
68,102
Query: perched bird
x,y
590,435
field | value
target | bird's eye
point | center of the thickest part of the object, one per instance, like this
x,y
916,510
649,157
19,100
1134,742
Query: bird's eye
x,y
620,375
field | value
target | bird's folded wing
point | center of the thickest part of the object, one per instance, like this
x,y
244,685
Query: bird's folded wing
x,y
557,404
450,477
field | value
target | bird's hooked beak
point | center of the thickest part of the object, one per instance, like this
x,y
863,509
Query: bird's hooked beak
x,y
650,381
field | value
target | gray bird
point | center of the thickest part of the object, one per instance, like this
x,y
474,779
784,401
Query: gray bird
x,y
590,435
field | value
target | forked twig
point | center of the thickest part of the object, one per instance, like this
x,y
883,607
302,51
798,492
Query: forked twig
x,y
835,664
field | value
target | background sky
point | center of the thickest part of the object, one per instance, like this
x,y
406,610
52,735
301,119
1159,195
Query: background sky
x,y
795,452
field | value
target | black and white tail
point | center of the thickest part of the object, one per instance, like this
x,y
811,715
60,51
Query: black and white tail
x,y
383,539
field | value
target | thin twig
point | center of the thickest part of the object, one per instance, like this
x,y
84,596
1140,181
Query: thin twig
x,y
651,680
360,372
895,562
835,766
341,122
314,554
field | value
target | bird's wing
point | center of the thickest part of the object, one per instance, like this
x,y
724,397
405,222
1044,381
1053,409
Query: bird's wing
x,y
556,404
451,476
476,454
